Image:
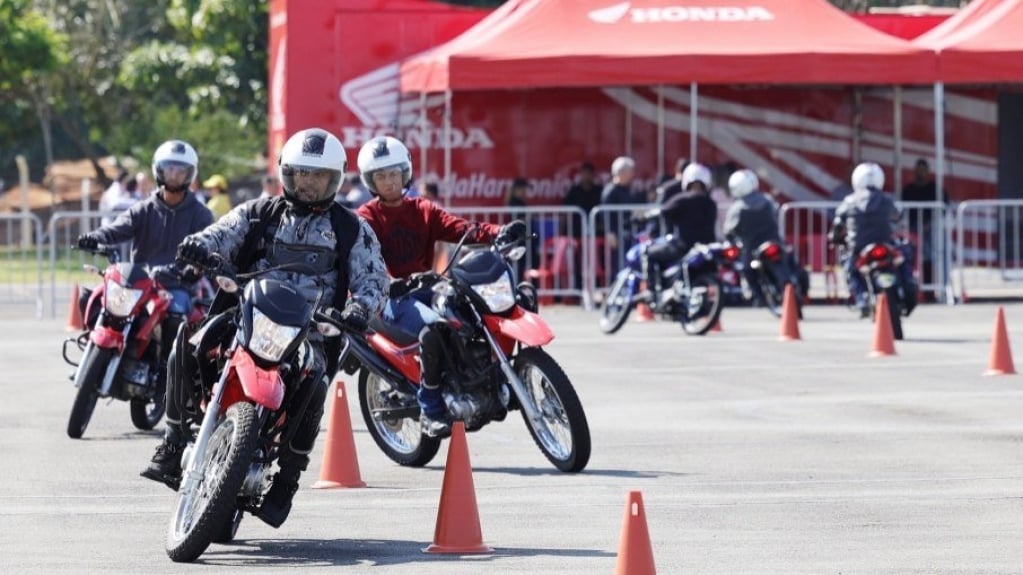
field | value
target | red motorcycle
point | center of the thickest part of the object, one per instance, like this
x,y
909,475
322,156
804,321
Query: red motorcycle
x,y
494,363
121,347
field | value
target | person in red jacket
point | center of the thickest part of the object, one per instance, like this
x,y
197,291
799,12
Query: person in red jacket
x,y
408,229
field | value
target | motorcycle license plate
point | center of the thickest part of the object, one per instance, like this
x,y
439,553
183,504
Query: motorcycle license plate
x,y
885,281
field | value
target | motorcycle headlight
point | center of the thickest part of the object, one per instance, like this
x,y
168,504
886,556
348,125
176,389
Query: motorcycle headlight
x,y
120,300
269,339
499,295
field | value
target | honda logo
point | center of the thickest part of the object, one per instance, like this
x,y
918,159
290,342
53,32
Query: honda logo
x,y
615,13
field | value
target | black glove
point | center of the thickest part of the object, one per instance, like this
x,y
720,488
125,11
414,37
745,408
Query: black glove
x,y
512,232
194,252
415,282
190,274
88,242
355,316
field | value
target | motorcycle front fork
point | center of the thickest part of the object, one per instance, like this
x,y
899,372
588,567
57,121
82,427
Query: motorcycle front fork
x,y
194,453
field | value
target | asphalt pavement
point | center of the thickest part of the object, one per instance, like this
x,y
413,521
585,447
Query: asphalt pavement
x,y
752,456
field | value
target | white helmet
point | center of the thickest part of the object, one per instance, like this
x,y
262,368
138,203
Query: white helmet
x,y
313,153
175,165
696,173
742,183
867,175
381,153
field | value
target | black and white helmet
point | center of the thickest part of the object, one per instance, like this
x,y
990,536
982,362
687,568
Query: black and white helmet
x,y
743,183
866,176
311,166
382,153
175,165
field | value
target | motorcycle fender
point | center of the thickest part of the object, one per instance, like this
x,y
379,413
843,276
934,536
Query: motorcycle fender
x,y
156,316
404,359
95,299
523,326
107,338
262,386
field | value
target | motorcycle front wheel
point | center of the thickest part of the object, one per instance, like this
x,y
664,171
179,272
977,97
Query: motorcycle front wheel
x,y
701,307
145,414
562,434
617,305
204,508
93,369
400,438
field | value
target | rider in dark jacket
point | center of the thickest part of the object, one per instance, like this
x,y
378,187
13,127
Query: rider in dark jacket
x,y
752,219
866,216
302,228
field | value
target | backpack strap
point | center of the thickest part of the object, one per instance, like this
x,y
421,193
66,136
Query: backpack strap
x,y
264,216
346,230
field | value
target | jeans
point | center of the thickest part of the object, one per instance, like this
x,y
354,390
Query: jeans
x,y
411,313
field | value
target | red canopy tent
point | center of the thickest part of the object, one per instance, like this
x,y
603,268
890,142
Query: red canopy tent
x,y
566,43
981,44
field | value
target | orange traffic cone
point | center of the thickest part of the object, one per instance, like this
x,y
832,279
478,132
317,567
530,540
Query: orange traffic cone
x,y
340,467
635,556
643,311
74,313
789,316
1001,355
884,342
458,519
717,325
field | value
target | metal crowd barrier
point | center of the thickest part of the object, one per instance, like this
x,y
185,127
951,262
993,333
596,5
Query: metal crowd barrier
x,y
65,263
989,249
21,260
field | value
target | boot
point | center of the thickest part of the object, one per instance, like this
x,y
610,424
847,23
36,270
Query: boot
x,y
277,504
165,467
433,416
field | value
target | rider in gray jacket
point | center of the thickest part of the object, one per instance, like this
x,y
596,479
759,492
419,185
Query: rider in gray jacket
x,y
752,219
341,253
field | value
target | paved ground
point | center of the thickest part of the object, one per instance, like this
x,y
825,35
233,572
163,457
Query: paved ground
x,y
753,456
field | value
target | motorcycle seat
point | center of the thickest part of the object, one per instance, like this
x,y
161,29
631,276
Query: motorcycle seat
x,y
393,333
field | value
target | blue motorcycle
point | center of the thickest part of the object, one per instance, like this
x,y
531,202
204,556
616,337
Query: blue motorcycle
x,y
688,287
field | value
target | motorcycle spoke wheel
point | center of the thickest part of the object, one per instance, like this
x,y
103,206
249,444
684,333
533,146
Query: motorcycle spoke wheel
x,y
401,439
562,432
93,368
617,305
205,507
702,308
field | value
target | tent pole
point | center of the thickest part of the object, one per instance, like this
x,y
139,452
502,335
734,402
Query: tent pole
x,y
897,128
628,127
939,140
660,131
424,128
448,183
857,125
694,110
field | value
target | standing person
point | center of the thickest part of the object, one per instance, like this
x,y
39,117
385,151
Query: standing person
x,y
155,226
219,202
144,185
343,255
429,191
584,194
923,189
271,187
115,195
867,216
409,229
672,187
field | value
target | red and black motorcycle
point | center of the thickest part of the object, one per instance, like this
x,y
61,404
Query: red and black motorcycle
x,y
121,347
494,363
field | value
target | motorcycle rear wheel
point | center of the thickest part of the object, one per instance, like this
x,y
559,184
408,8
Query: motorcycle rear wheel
x,y
617,305
402,439
894,311
146,414
93,368
563,434
706,292
203,512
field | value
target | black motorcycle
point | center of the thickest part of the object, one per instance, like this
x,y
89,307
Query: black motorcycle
x,y
774,267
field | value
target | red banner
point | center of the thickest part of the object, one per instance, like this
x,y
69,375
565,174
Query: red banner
x,y
334,65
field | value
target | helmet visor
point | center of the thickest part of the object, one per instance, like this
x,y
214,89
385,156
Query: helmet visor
x,y
311,185
175,175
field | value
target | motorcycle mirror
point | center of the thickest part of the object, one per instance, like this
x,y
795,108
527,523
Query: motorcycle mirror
x,y
327,330
227,284
90,268
516,253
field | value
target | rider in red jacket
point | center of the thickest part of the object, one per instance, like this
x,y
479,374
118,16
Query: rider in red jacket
x,y
408,229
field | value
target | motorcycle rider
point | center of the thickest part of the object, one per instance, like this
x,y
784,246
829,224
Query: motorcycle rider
x,y
689,218
864,217
304,225
408,229
752,219
155,226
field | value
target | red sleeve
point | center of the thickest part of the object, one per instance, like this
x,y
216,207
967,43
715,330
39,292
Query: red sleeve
x,y
450,228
